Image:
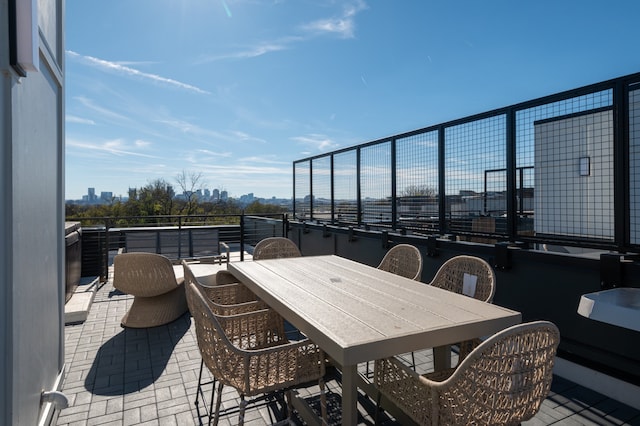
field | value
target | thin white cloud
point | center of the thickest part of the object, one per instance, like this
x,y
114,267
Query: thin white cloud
x,y
142,144
117,67
213,153
78,120
263,159
104,112
193,129
115,147
342,25
319,142
261,48
245,137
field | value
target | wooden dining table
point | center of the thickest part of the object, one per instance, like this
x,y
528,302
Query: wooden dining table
x,y
358,313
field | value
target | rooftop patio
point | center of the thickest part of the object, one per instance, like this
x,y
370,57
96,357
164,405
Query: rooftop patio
x,y
149,376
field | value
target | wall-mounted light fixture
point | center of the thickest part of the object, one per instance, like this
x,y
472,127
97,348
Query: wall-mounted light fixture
x,y
585,166
23,35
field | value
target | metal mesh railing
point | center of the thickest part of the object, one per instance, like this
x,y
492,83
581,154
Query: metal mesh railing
x,y
634,165
471,149
321,184
564,168
417,181
345,183
375,184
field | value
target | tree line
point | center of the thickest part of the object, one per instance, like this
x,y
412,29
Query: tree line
x,y
157,198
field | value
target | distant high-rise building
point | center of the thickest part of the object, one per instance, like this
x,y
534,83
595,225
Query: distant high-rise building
x,y
106,196
216,195
224,195
133,194
207,194
91,192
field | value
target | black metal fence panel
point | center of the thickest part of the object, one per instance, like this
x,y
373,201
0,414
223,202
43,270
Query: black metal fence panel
x,y
563,169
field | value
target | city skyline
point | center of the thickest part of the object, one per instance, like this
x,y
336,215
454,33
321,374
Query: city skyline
x,y
237,90
208,194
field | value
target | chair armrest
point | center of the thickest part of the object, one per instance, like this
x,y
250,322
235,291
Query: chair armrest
x,y
289,365
405,388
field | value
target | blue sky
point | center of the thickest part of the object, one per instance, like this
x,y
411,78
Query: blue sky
x,y
238,89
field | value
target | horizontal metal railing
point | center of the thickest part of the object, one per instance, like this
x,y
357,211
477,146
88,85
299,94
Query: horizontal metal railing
x,y
103,236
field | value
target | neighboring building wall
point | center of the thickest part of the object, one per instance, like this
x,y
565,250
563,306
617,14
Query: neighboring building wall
x,y
32,220
634,166
574,176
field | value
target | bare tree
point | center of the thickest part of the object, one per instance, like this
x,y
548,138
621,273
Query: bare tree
x,y
189,183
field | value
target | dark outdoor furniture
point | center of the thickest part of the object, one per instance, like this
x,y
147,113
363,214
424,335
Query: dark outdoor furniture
x,y
189,243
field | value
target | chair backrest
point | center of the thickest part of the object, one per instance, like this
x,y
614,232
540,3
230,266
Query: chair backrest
x,y
227,342
467,275
215,347
143,274
275,248
404,260
504,380
226,299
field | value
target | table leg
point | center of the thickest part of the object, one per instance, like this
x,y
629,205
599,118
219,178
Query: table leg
x,y
349,395
442,357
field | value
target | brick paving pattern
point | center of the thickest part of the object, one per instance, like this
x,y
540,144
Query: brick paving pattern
x,y
118,376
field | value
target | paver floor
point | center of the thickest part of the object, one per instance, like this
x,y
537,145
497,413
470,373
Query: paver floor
x,y
118,376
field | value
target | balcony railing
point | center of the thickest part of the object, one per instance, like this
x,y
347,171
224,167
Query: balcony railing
x,y
563,169
102,237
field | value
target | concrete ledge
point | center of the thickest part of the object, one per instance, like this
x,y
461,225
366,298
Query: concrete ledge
x,y
617,389
77,308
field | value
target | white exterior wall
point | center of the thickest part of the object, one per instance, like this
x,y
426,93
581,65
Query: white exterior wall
x,y
567,203
32,220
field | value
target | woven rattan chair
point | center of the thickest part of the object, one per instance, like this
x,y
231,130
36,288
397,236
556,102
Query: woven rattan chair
x,y
278,248
275,248
404,260
225,277
241,352
502,382
224,299
159,297
451,276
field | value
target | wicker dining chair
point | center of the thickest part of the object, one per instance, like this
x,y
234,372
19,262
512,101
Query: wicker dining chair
x,y
233,349
502,382
275,248
159,296
451,276
404,260
278,248
226,299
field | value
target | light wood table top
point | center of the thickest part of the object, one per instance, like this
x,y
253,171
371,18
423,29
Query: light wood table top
x,y
358,313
